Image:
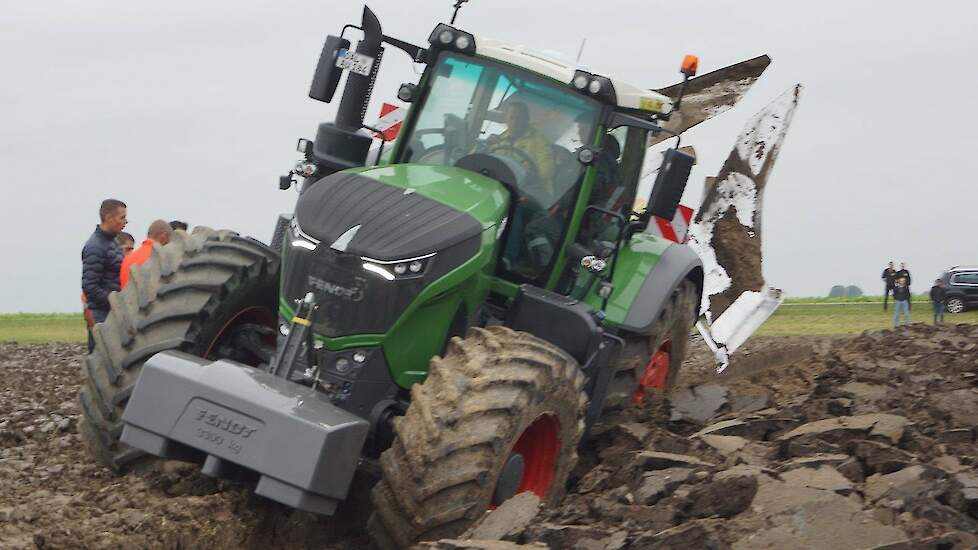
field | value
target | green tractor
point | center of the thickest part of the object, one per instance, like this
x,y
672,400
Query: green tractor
x,y
454,317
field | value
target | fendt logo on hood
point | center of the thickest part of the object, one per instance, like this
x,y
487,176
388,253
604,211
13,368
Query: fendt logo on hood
x,y
352,293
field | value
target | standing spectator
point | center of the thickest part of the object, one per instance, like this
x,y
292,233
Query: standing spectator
x,y
126,242
159,232
937,294
889,275
177,224
102,259
901,301
904,273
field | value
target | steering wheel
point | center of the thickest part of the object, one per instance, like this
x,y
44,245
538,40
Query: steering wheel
x,y
533,171
521,156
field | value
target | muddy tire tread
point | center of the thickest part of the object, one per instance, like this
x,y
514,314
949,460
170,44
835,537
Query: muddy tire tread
x,y
439,472
150,316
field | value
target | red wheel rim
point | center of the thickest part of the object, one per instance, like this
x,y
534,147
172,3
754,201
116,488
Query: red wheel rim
x,y
258,315
656,373
539,445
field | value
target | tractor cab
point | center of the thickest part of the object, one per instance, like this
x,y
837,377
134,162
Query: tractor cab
x,y
568,145
518,128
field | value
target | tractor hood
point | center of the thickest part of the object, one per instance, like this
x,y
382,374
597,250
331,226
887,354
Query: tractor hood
x,y
400,211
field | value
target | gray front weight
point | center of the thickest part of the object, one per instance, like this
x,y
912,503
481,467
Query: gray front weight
x,y
237,418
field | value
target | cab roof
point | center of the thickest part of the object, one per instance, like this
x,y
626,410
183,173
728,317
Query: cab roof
x,y
627,95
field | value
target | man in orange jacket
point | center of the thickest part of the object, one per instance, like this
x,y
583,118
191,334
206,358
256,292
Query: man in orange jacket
x,y
159,232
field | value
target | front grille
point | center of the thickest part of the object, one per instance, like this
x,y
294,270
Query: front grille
x,y
351,300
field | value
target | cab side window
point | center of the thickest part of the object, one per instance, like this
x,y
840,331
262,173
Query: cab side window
x,y
617,171
635,144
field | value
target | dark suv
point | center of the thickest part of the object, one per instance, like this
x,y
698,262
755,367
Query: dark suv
x,y
962,288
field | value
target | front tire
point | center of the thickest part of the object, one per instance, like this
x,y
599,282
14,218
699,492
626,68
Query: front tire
x,y
191,295
501,413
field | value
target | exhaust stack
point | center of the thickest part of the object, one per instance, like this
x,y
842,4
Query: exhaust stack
x,y
344,143
356,95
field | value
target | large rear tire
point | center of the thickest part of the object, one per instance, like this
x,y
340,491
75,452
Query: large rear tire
x,y
501,413
191,295
654,361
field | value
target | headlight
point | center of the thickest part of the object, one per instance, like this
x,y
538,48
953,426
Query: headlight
x,y
594,85
305,168
342,365
448,37
398,269
299,238
585,155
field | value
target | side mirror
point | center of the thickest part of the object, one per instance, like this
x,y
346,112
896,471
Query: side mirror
x,y
328,75
670,184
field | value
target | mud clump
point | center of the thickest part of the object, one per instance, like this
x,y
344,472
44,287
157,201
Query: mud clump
x,y
867,441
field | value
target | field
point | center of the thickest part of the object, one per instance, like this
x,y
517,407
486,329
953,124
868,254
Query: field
x,y
811,431
840,318
42,328
797,317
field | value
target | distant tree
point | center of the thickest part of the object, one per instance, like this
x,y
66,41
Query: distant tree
x,y
853,291
838,291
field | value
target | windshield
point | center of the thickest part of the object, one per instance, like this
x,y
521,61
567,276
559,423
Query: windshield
x,y
533,125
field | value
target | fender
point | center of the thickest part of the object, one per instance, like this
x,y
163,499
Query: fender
x,y
676,263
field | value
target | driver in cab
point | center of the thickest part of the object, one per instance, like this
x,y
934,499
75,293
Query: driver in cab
x,y
521,136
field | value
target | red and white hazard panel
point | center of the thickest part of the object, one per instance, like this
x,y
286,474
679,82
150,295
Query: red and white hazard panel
x,y
389,123
677,230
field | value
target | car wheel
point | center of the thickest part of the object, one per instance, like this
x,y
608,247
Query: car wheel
x,y
954,305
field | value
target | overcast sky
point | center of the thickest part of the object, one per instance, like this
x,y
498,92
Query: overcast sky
x,y
191,110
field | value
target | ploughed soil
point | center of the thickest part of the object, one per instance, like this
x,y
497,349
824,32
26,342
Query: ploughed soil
x,y
857,442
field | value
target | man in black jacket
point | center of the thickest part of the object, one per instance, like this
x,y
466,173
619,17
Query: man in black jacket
x,y
888,278
101,260
903,273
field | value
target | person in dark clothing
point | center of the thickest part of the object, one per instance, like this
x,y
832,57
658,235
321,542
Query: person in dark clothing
x,y
888,277
901,301
177,224
937,295
904,273
102,259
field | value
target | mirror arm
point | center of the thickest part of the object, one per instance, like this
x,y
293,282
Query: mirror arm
x,y
349,26
417,53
